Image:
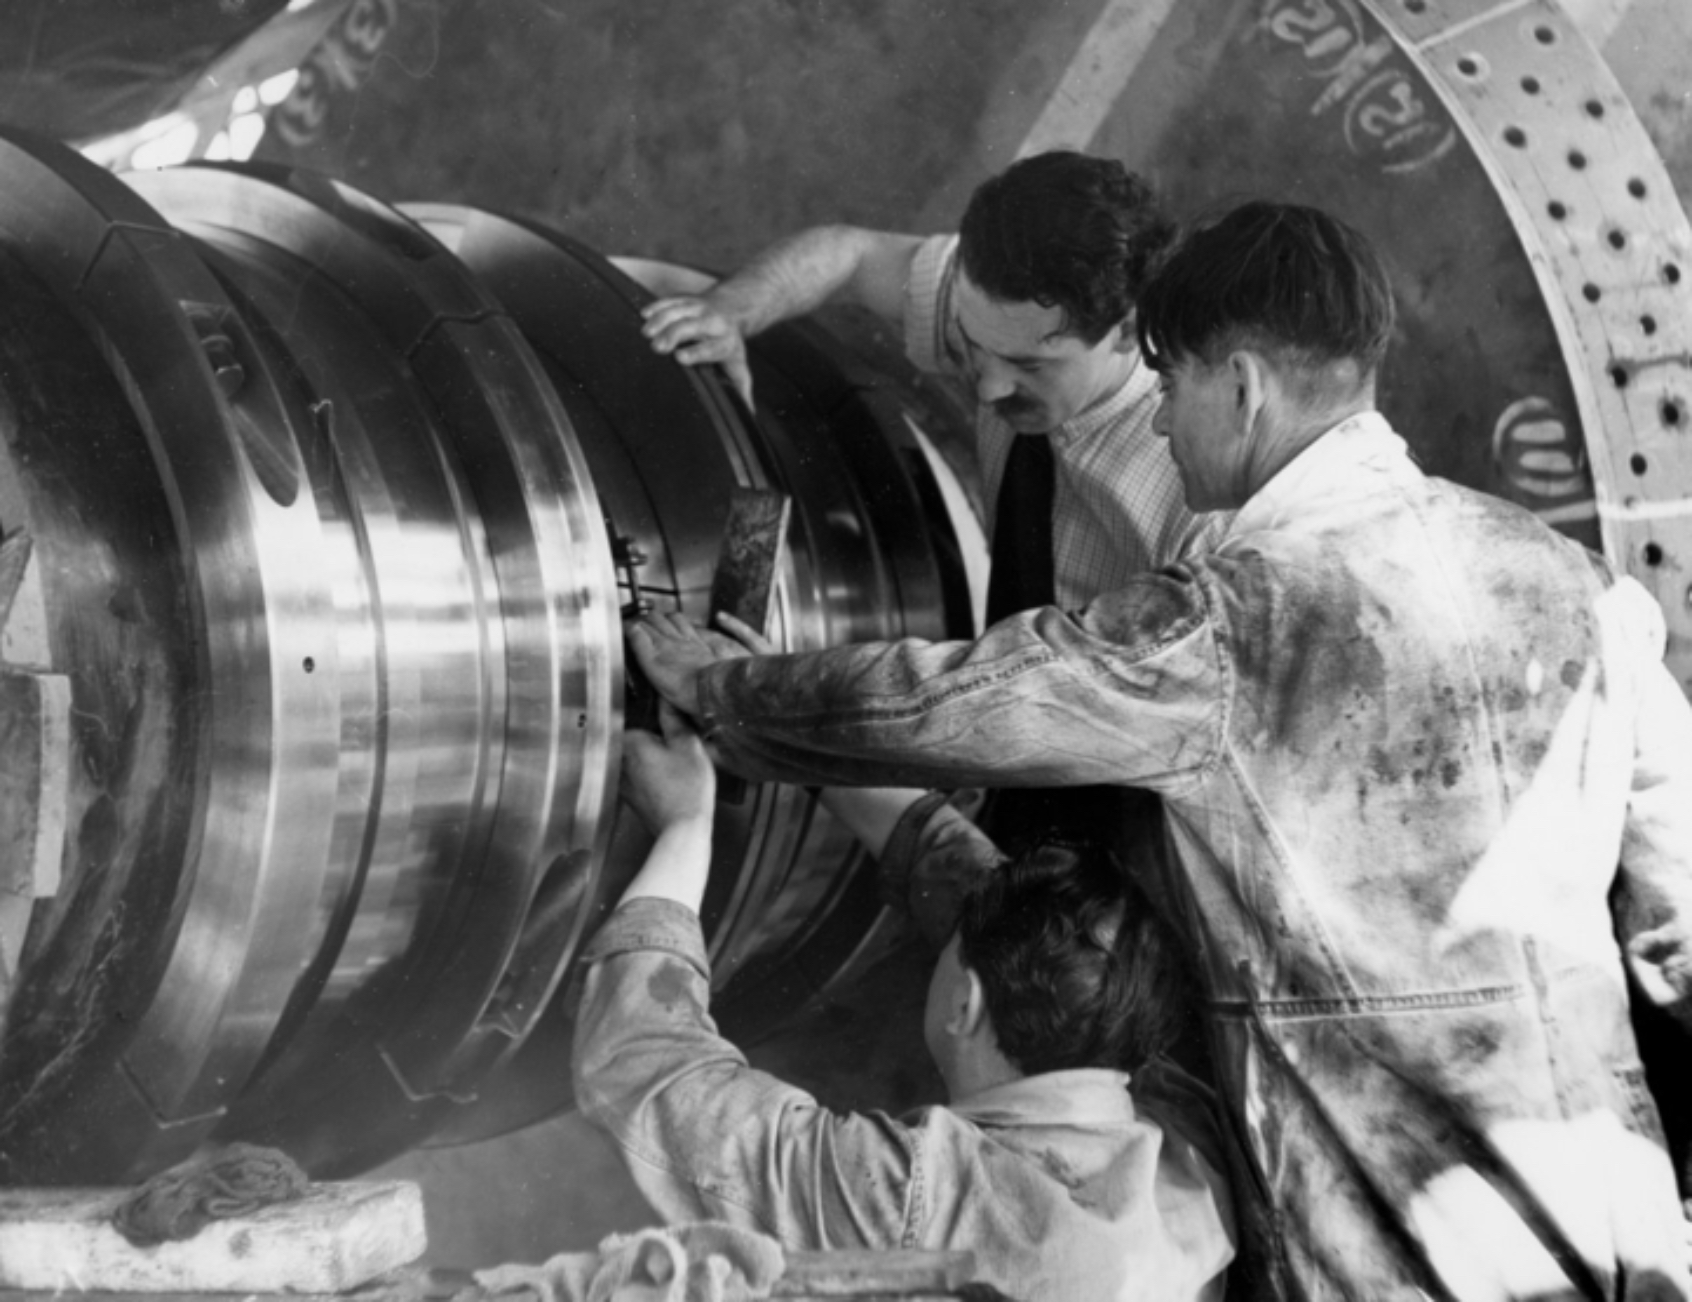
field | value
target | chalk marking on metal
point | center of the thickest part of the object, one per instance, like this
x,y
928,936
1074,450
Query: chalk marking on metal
x,y
1469,24
1097,76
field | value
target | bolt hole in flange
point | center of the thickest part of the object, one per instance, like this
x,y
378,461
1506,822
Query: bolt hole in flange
x,y
1473,67
1637,463
1648,324
1671,273
1653,554
1559,211
1672,412
1515,137
1530,85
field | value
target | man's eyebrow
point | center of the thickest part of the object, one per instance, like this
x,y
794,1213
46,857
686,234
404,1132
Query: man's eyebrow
x,y
1014,359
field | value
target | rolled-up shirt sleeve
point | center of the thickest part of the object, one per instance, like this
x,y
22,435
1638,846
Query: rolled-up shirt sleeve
x,y
706,1136
1128,691
934,857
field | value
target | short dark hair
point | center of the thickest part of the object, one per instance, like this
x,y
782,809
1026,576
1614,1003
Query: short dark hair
x,y
1065,230
1075,965
1291,281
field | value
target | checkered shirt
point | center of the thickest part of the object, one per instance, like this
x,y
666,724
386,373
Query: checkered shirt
x,y
1119,509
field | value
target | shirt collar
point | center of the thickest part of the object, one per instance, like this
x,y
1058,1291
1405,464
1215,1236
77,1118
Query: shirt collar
x,y
1106,411
1336,462
1089,1097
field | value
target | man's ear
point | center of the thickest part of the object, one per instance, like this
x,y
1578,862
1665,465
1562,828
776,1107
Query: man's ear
x,y
1251,380
968,1012
1127,339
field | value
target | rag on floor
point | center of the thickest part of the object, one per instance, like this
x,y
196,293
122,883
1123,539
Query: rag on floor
x,y
704,1262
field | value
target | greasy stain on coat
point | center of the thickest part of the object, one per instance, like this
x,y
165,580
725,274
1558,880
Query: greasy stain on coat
x,y
1305,637
668,986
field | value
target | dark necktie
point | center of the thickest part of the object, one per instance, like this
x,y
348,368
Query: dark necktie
x,y
1021,574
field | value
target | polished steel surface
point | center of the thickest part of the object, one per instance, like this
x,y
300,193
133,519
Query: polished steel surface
x,y
335,507
335,523
665,445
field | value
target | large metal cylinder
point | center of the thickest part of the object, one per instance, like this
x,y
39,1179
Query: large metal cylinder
x,y
334,509
332,531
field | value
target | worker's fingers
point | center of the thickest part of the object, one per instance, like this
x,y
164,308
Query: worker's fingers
x,y
676,725
745,634
666,624
695,333
671,323
661,313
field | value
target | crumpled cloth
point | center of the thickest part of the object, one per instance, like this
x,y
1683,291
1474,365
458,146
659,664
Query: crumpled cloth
x,y
212,1186
704,1262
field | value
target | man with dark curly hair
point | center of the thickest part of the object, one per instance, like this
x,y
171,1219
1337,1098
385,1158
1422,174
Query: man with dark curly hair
x,y
1032,306
1056,983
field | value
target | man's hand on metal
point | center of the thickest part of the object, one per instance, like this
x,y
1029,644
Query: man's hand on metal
x,y
672,651
748,637
668,779
695,330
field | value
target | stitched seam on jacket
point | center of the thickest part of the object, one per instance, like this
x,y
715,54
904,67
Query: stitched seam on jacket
x,y
1340,1007
916,1191
1489,709
1283,862
1026,663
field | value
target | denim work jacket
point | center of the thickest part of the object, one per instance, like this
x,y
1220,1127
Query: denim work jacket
x,y
1057,1184
1405,735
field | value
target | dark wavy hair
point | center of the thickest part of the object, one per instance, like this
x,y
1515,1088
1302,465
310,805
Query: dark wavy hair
x,y
1065,230
1076,967
1293,282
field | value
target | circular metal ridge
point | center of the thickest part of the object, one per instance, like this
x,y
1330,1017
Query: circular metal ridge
x,y
1611,250
178,1019
415,1038
343,634
666,444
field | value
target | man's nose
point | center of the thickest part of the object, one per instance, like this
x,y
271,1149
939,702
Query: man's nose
x,y
993,382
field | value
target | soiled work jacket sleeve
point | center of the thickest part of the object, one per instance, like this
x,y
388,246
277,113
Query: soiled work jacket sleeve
x,y
707,1137
1131,690
934,857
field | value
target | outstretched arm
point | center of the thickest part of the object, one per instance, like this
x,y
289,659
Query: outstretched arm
x,y
793,276
705,1136
670,784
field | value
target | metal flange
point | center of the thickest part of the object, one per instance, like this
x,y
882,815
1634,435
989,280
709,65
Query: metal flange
x,y
1610,248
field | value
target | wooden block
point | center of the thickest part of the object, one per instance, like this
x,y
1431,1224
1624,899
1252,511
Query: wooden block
x,y
336,1237
34,788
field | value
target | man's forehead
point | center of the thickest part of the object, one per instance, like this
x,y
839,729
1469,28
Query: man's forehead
x,y
1020,329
